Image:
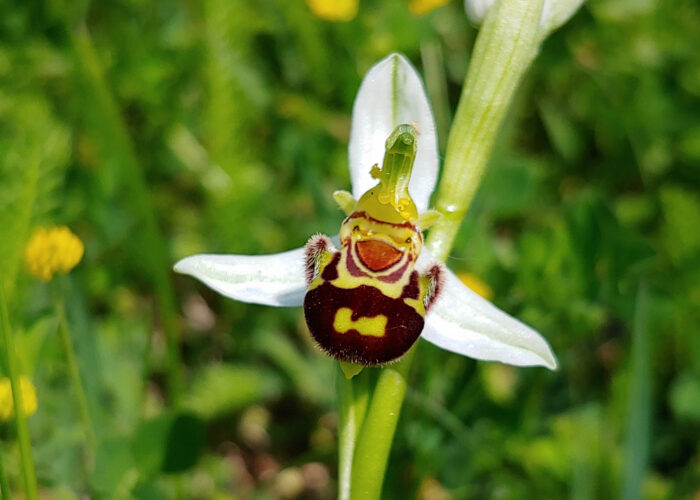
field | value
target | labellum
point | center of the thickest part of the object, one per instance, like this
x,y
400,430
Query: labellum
x,y
366,303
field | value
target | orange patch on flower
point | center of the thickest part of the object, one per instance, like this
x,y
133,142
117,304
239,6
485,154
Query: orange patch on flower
x,y
377,255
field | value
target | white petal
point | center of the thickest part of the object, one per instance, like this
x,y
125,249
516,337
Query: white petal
x,y
463,322
391,94
557,12
477,9
274,280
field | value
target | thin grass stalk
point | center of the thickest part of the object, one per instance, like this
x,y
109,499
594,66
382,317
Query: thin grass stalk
x,y
69,351
639,404
25,447
4,486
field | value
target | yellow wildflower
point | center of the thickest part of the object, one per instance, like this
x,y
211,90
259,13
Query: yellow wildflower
x,y
420,7
334,10
52,250
476,284
7,406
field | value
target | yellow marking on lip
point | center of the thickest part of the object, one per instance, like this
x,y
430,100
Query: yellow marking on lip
x,y
417,305
346,281
371,327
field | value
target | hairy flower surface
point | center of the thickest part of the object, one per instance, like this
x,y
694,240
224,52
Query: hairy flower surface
x,y
53,250
457,319
29,401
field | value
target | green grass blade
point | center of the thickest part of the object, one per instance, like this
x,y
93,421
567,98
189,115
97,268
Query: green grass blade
x,y
639,403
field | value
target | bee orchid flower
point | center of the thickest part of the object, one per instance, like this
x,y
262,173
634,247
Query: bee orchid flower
x,y
369,300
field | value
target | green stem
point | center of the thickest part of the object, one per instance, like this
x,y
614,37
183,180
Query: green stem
x,y
353,397
504,49
67,342
25,447
375,438
108,130
4,487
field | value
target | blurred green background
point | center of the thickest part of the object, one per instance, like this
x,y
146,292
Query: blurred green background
x,y
159,129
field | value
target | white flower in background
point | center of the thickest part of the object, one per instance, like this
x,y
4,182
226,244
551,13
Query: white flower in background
x,y
457,319
554,12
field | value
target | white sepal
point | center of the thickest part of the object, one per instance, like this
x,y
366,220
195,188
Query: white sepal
x,y
273,280
461,321
391,94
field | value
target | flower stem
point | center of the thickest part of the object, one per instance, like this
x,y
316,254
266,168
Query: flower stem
x,y
4,487
504,49
67,342
353,397
374,442
25,447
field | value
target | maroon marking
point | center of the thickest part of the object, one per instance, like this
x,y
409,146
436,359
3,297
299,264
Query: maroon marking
x,y
436,275
404,324
353,268
377,255
330,272
372,219
394,276
412,289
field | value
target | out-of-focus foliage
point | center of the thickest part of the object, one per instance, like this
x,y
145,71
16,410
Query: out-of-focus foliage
x,y
222,126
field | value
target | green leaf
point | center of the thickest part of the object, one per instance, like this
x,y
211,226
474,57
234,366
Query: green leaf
x,y
185,443
148,444
112,462
148,491
220,389
510,186
562,132
168,443
685,396
681,210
